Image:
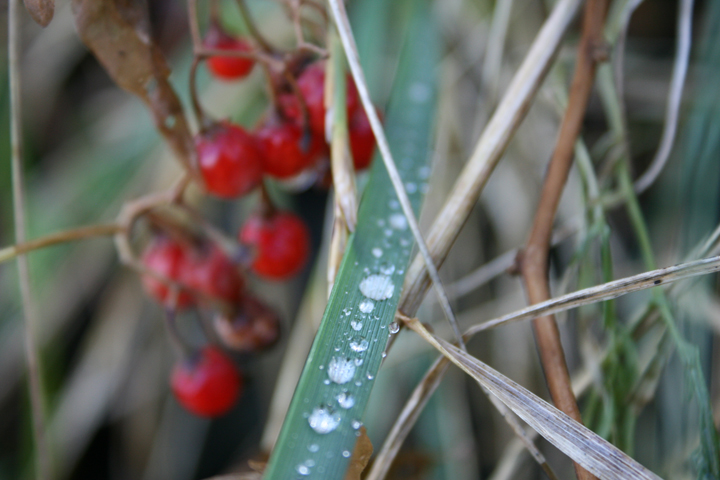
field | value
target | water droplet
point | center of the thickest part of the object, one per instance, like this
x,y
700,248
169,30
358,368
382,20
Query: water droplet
x,y
377,252
384,354
346,454
394,204
370,376
313,447
377,287
347,311
398,221
341,370
424,172
387,269
357,326
381,222
345,400
393,328
359,345
355,424
358,361
358,383
404,242
326,381
302,470
323,421
310,462
366,306
388,232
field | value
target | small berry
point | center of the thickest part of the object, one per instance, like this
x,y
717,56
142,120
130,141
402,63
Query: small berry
x,y
208,384
311,84
210,271
254,327
281,242
165,257
285,151
227,68
229,160
362,139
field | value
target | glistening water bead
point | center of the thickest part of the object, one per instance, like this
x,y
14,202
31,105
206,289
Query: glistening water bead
x,y
366,306
377,287
345,400
323,421
341,370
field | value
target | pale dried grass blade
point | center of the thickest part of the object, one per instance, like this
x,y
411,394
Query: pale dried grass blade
x,y
579,443
489,149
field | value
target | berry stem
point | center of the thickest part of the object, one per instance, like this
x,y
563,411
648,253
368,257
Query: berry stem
x,y
266,208
181,346
252,28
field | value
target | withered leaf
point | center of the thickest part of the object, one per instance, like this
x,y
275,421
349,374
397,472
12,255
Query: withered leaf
x,y
41,11
117,32
360,457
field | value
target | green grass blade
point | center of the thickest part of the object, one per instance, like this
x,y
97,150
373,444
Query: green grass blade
x,y
351,336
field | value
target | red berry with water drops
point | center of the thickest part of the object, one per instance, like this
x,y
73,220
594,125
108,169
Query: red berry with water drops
x,y
229,161
362,139
285,150
207,384
254,327
227,68
210,271
167,258
281,243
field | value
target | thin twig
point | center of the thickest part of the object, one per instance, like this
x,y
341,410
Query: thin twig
x,y
534,259
65,236
684,40
252,28
42,458
343,26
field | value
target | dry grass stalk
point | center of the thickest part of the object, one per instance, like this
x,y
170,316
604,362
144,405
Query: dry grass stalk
x,y
534,259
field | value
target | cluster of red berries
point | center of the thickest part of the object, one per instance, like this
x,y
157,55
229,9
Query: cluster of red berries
x,y
184,272
288,141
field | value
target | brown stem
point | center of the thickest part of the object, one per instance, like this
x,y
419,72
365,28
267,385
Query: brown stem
x,y
13,251
204,121
252,28
534,260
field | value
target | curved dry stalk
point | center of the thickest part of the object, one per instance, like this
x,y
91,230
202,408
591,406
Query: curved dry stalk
x,y
488,151
534,259
348,42
680,66
42,458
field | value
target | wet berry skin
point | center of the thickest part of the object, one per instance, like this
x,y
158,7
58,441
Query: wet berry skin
x,y
168,258
208,270
207,384
362,139
228,68
281,243
229,161
253,328
285,152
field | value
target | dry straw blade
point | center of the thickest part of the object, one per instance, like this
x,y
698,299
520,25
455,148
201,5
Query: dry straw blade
x,y
579,443
325,415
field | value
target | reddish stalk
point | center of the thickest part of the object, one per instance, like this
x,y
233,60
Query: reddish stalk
x,y
534,259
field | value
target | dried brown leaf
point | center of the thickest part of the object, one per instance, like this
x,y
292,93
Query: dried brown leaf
x,y
41,11
117,32
360,457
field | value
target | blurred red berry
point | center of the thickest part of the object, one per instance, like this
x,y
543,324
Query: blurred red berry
x,y
311,84
229,160
285,152
254,327
362,139
165,257
281,242
227,68
207,384
210,271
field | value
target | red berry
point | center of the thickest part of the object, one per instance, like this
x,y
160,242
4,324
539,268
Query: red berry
x,y
311,84
254,327
208,384
227,68
165,257
281,242
229,160
362,139
210,271
284,150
